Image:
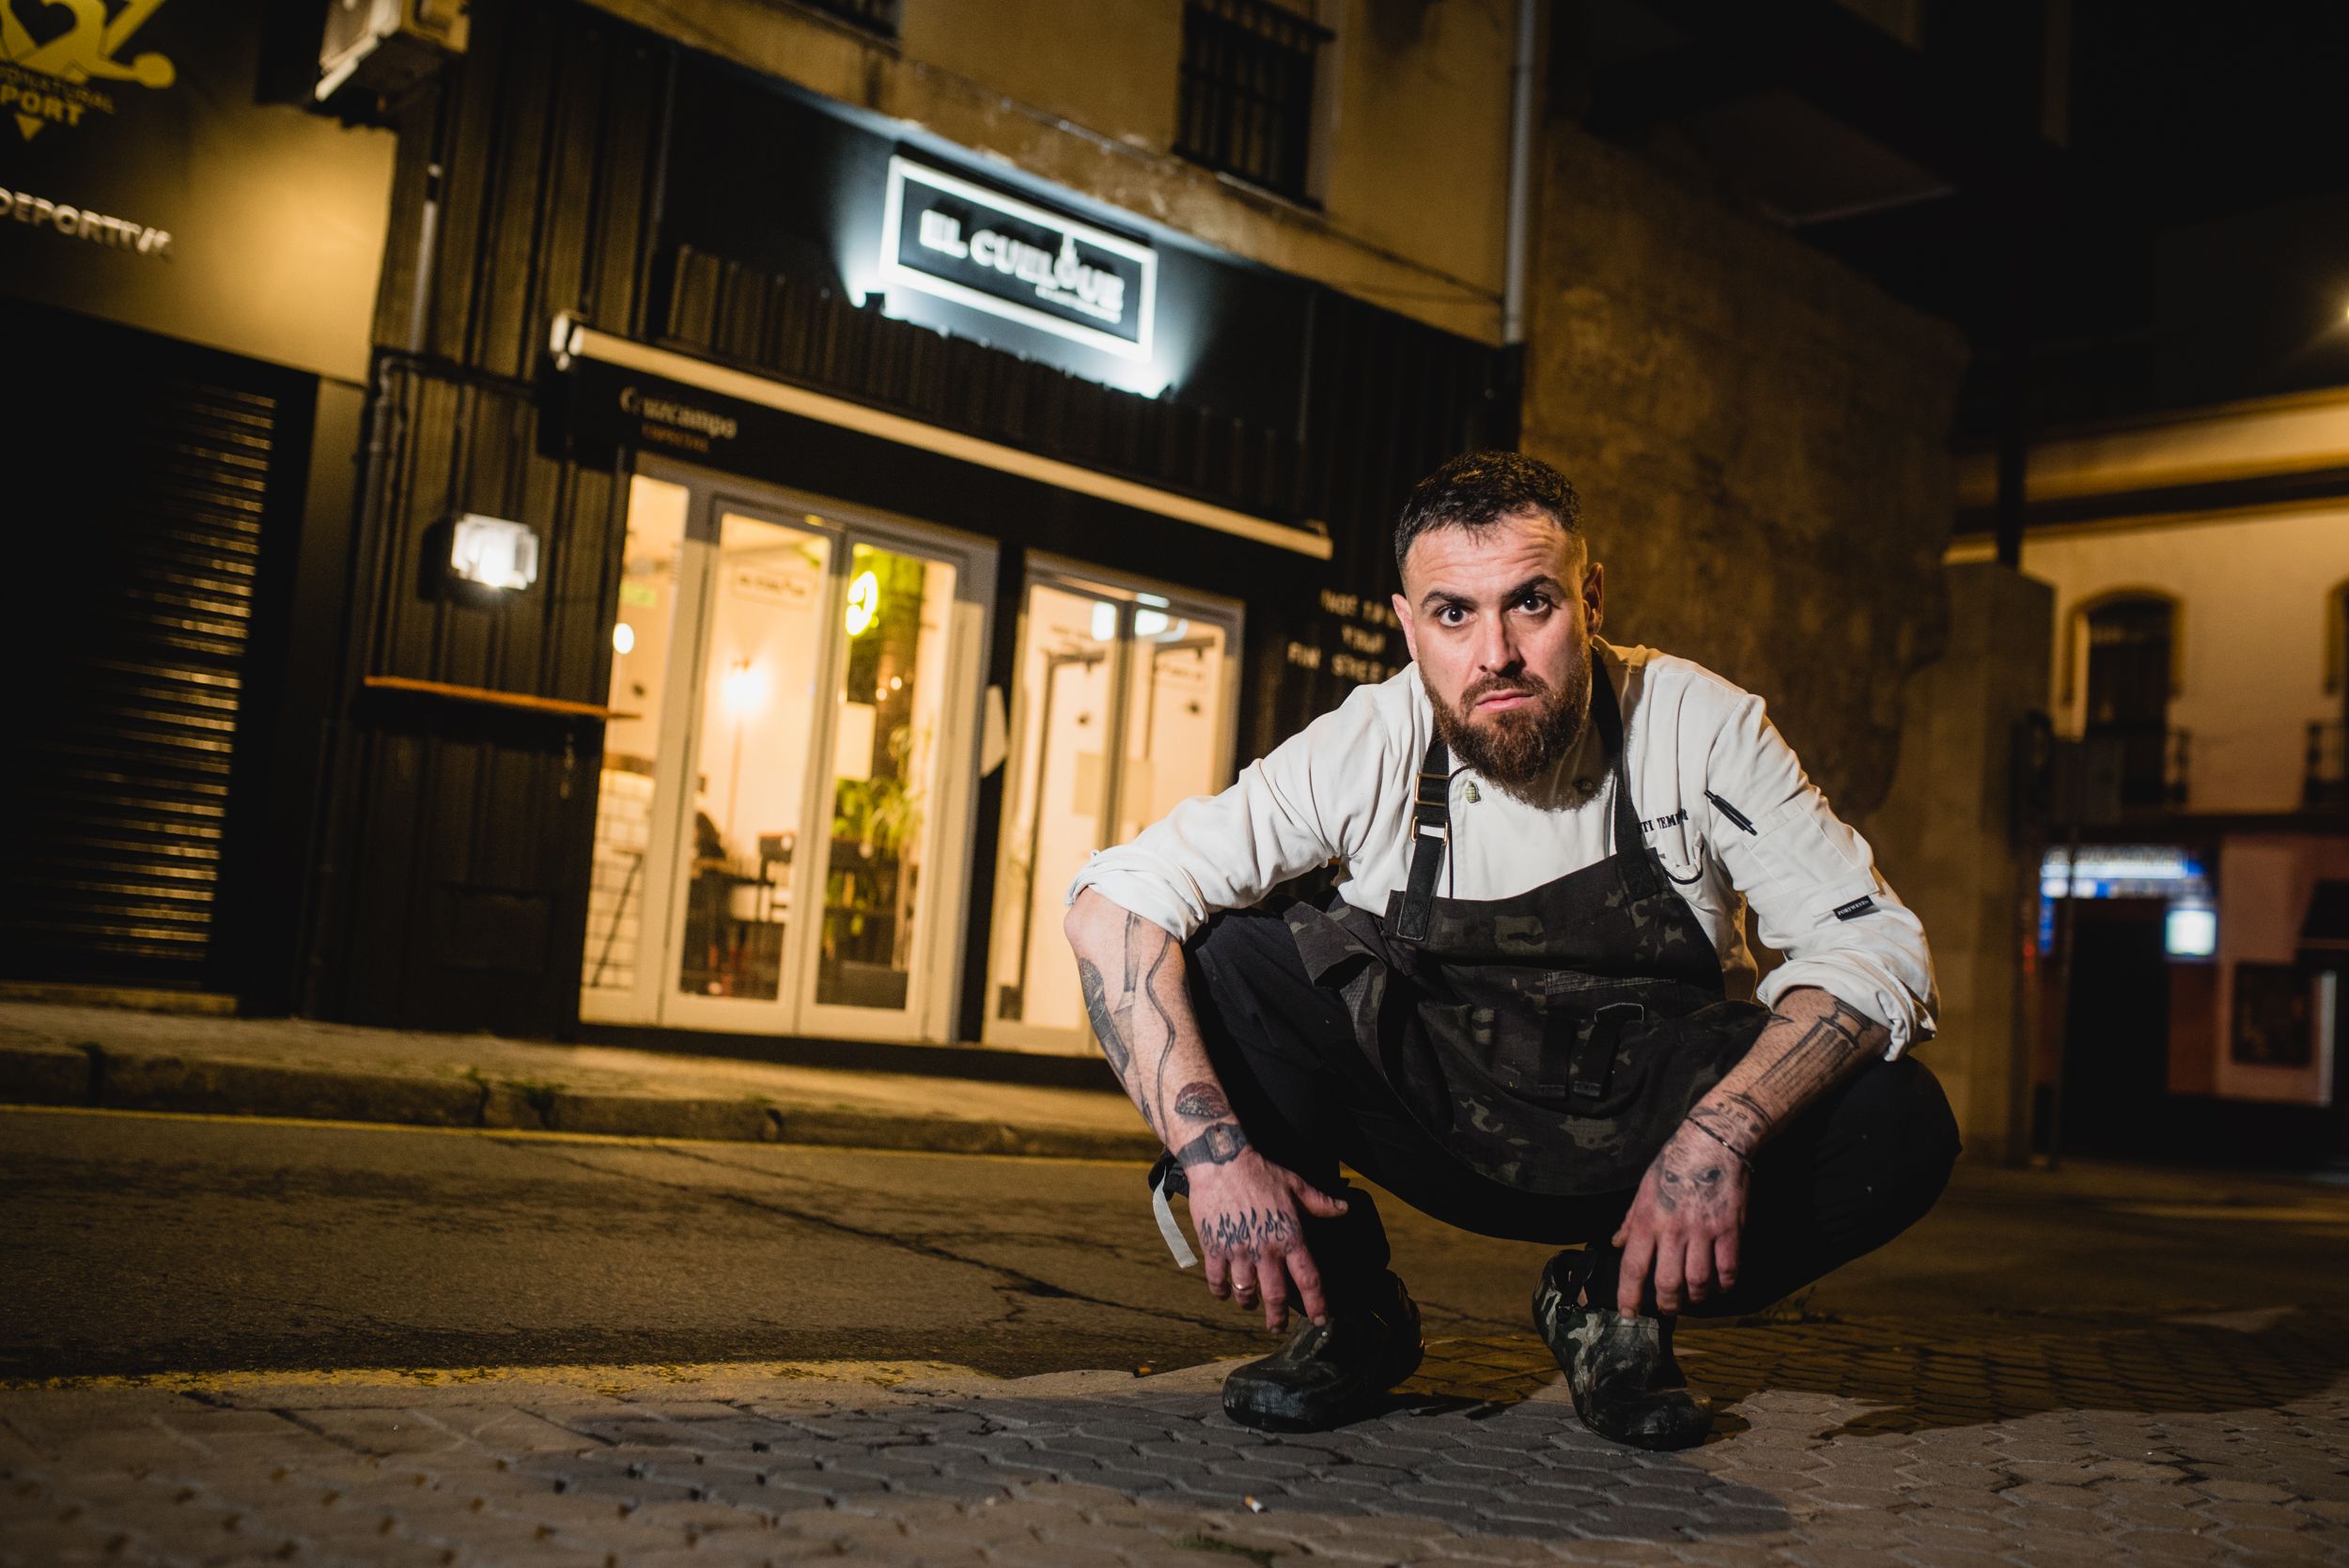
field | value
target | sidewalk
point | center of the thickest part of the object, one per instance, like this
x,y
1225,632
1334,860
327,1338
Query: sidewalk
x,y
122,1059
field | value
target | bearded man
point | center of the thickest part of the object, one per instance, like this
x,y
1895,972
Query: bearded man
x,y
1521,1012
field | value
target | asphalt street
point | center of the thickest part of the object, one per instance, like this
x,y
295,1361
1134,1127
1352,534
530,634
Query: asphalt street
x,y
149,1244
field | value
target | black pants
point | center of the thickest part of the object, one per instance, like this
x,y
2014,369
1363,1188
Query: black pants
x,y
1856,1168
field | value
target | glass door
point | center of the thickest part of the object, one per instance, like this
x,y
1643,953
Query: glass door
x,y
783,817
766,589
1123,707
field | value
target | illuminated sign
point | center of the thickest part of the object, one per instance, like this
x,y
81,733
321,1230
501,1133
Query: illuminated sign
x,y
48,81
946,237
2122,871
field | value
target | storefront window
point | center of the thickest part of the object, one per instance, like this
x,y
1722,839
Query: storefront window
x,y
1119,715
886,760
758,706
642,637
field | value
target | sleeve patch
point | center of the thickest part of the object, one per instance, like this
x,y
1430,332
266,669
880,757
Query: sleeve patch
x,y
1857,906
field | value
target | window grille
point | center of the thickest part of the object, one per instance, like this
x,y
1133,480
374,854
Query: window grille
x,y
873,16
1247,92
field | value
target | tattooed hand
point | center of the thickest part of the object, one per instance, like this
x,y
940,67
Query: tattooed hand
x,y
1247,1211
1683,1224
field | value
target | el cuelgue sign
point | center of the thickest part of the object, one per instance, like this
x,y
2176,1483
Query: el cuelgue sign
x,y
946,237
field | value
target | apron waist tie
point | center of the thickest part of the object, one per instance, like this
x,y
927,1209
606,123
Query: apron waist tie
x,y
1166,1180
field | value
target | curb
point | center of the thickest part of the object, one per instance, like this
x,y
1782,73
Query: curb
x,y
52,1072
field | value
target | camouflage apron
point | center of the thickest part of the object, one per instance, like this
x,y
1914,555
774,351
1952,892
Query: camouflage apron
x,y
1551,1040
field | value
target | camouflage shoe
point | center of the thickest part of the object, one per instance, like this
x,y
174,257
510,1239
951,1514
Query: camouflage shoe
x,y
1333,1372
1625,1385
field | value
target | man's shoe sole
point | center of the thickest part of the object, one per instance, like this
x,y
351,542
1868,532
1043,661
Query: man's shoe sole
x,y
1291,1416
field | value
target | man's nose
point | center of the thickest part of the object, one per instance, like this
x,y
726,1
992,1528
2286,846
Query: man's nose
x,y
1496,650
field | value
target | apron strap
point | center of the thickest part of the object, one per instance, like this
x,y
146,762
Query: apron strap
x,y
1431,815
1632,852
1431,837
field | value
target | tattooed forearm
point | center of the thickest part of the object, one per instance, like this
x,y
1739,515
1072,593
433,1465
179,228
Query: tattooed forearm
x,y
1833,1042
1738,1119
1814,1040
1131,972
1219,1145
1201,1101
1105,1028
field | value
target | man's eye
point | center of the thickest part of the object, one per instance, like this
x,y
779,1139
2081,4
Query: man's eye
x,y
1535,603
1451,614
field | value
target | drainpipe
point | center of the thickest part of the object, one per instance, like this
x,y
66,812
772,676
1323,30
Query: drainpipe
x,y
1520,173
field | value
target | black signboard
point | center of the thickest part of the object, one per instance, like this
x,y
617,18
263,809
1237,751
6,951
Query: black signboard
x,y
947,237
616,406
142,181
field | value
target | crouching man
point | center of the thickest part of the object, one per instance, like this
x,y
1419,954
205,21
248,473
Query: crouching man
x,y
1516,1014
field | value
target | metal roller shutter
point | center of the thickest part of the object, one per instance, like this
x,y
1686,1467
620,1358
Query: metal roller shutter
x,y
148,467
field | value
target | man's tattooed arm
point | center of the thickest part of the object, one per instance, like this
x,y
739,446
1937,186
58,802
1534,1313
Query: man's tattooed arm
x,y
1814,1040
1249,1211
1131,974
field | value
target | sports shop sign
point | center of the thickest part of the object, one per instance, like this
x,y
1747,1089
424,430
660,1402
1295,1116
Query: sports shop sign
x,y
946,237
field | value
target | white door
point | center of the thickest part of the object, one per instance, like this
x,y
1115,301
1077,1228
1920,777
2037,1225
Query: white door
x,y
783,819
1125,706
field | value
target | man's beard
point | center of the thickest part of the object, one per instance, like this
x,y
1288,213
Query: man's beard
x,y
1515,747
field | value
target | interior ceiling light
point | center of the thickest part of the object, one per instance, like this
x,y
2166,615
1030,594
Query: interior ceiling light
x,y
864,603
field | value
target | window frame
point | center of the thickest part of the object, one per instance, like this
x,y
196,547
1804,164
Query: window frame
x,y
1216,104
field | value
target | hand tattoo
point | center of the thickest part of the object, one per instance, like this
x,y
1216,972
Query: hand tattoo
x,y
1247,1231
1694,1173
1219,1145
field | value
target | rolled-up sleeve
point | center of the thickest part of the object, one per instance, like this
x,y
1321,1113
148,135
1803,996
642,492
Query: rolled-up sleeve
x,y
1307,803
1817,897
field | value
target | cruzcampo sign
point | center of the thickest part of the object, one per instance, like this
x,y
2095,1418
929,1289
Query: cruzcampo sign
x,y
142,181
949,238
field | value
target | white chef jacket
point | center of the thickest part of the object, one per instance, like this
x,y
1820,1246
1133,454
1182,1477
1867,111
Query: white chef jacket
x,y
1701,756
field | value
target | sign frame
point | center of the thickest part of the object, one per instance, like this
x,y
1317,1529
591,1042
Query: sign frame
x,y
897,274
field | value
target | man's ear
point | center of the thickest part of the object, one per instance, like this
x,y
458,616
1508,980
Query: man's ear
x,y
1403,618
1594,596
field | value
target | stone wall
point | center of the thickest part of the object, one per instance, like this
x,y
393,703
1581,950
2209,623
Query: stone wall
x,y
1946,837
1761,439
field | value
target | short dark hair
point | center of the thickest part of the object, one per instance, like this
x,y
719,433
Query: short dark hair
x,y
1476,490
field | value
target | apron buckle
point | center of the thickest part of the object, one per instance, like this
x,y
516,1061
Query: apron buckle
x,y
1591,1067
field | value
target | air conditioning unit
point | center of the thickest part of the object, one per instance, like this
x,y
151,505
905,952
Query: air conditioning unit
x,y
379,49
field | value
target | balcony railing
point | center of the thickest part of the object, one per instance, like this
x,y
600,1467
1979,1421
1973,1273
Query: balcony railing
x,y
2152,762
2325,782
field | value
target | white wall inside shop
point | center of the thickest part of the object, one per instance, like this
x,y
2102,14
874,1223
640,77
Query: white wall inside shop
x,y
2257,659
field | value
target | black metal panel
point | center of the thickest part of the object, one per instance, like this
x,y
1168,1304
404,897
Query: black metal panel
x,y
167,472
451,886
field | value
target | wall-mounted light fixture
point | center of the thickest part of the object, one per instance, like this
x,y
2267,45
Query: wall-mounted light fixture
x,y
494,552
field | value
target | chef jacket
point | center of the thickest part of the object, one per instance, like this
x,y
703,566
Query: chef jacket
x,y
1718,793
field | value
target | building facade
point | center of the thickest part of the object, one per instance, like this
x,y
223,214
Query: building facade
x,y
804,476
2198,564
188,271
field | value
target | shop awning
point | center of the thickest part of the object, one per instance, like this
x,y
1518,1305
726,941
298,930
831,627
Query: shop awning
x,y
573,341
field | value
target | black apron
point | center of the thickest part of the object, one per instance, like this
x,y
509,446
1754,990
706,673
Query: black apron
x,y
1551,1040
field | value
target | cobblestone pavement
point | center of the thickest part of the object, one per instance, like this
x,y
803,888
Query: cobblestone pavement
x,y
2029,1440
